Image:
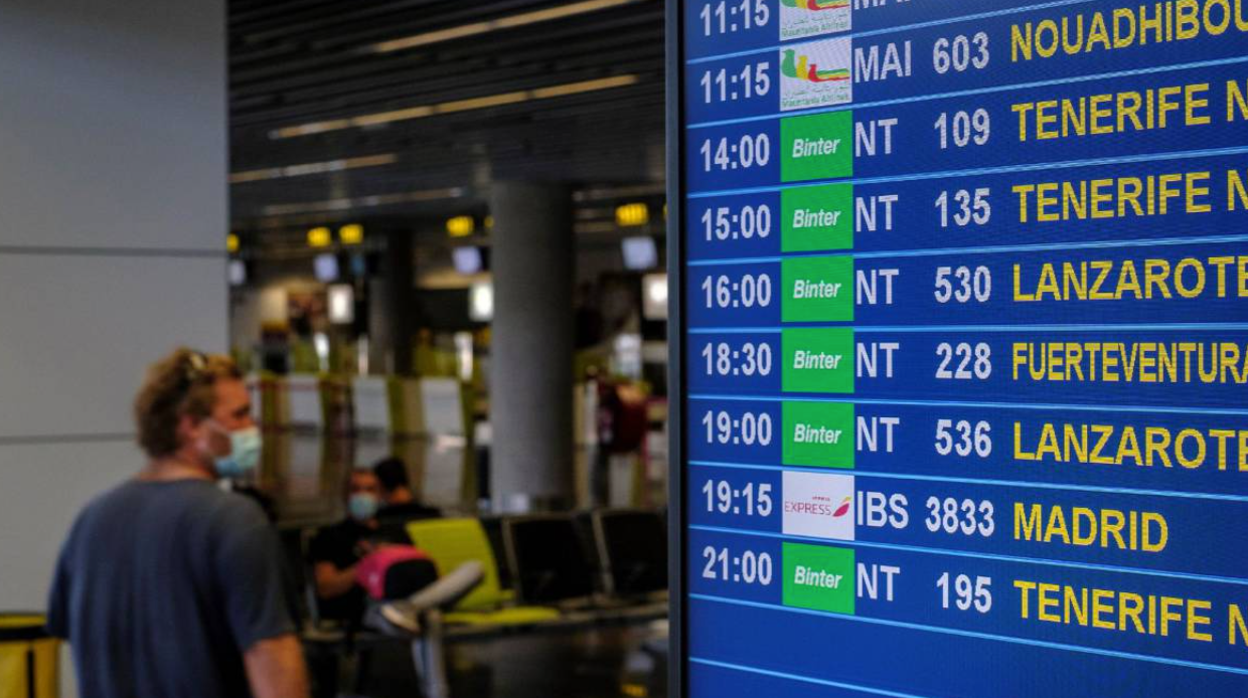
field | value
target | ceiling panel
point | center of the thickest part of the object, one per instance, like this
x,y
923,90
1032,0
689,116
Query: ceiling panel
x,y
298,62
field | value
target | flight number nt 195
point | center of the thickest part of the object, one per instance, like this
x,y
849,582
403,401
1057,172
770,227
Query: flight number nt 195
x,y
965,592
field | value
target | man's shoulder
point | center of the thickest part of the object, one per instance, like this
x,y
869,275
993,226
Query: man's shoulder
x,y
409,510
197,499
329,540
345,529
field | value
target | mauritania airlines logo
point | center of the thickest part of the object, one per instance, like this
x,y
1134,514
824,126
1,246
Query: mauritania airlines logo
x,y
802,68
802,18
818,505
815,74
817,5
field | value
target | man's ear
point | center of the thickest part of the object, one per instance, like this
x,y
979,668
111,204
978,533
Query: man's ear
x,y
188,427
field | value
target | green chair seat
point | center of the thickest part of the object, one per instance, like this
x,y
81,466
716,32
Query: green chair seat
x,y
515,615
452,542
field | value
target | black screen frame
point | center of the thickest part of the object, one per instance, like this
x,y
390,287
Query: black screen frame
x,y
678,652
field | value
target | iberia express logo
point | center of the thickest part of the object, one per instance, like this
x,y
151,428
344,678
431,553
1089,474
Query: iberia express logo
x,y
842,508
818,505
815,75
802,18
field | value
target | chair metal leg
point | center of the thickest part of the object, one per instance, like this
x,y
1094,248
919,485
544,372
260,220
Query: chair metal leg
x,y
348,672
429,655
363,664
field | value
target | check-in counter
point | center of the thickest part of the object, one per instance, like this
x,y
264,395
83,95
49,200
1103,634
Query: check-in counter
x,y
428,418
270,402
585,454
304,396
371,398
426,406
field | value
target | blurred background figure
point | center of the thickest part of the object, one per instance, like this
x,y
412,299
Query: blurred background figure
x,y
336,551
399,503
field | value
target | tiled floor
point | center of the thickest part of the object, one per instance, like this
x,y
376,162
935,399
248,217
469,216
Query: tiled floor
x,y
604,663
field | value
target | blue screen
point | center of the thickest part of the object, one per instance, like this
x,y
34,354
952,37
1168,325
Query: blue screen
x,y
964,348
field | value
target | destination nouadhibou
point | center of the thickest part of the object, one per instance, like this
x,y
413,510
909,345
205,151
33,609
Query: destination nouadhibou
x,y
1159,23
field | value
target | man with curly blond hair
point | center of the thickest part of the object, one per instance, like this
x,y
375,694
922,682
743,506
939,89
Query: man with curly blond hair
x,y
169,585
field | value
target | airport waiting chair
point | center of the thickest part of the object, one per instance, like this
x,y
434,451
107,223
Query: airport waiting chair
x,y
632,548
550,560
419,620
493,526
453,542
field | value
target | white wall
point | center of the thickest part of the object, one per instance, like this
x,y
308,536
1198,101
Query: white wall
x,y
113,214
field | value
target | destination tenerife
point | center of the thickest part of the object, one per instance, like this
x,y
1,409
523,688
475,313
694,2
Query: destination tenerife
x,y
962,292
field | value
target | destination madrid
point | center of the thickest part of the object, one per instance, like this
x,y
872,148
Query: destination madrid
x,y
1080,33
1131,362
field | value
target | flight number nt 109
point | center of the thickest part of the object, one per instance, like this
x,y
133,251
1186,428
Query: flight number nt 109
x,y
751,500
749,429
723,223
726,17
747,568
725,154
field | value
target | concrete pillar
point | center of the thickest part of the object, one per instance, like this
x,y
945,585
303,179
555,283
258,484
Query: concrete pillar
x,y
531,347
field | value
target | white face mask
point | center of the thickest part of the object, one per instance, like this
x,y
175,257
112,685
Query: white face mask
x,y
244,455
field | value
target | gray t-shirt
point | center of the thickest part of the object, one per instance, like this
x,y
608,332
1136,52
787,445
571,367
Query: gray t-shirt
x,y
162,586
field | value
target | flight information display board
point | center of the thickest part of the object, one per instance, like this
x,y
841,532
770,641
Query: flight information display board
x,y
960,292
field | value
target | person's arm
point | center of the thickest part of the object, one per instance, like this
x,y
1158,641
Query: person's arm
x,y
332,582
58,596
275,668
253,597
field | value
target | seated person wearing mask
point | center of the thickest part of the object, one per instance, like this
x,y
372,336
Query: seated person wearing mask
x,y
399,504
337,550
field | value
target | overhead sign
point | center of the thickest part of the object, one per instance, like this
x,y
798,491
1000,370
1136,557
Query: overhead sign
x,y
960,298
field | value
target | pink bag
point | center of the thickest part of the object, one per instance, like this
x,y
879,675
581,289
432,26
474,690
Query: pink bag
x,y
395,571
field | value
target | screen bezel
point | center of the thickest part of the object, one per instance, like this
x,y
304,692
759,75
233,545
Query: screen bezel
x,y
678,647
